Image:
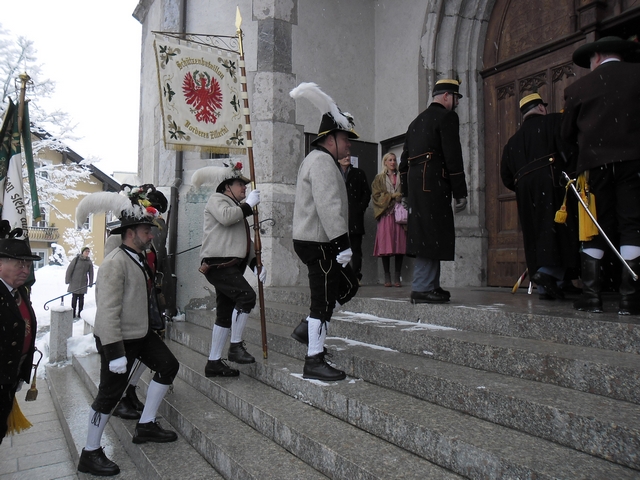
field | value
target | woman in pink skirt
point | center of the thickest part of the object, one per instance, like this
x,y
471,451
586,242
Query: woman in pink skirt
x,y
391,237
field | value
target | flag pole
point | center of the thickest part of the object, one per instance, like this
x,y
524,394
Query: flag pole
x,y
256,224
24,78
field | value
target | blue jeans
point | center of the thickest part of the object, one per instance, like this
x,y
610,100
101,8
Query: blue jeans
x,y
426,275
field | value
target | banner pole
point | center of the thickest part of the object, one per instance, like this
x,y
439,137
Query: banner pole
x,y
256,223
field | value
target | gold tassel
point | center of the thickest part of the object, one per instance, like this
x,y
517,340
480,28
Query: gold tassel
x,y
586,228
17,422
519,282
561,215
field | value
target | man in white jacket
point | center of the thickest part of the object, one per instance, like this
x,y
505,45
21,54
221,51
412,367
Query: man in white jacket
x,y
225,254
321,232
123,334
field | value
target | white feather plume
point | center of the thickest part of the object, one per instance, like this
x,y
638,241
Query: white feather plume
x,y
209,176
102,202
321,100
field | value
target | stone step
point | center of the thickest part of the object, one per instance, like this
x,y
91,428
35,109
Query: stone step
x,y
72,400
495,311
329,445
153,460
593,370
469,446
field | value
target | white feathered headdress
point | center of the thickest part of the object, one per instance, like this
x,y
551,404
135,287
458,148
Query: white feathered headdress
x,y
332,117
133,205
217,176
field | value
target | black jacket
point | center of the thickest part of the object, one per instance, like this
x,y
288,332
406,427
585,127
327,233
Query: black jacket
x,y
358,196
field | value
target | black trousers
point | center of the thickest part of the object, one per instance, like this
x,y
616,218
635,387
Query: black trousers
x,y
151,351
356,259
7,393
77,299
232,291
616,187
328,280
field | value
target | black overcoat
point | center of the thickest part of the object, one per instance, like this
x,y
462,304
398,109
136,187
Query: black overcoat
x,y
358,196
431,173
602,115
538,184
12,330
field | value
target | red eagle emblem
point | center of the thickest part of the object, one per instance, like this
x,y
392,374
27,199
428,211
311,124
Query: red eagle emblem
x,y
204,95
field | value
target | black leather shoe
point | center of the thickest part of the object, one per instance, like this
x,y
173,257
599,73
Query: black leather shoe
x,y
428,297
316,368
133,398
301,332
125,410
153,432
218,368
238,354
549,283
96,462
444,293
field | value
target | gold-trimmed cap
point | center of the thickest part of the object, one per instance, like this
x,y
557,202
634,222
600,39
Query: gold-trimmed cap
x,y
530,101
447,85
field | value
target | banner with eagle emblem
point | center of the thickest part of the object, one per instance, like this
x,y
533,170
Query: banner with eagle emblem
x,y
200,96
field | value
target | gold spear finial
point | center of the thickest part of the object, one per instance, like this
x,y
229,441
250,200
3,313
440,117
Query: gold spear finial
x,y
239,30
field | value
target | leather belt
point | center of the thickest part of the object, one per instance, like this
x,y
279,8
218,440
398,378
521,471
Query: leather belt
x,y
533,166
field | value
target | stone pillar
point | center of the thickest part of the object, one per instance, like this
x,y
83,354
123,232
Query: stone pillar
x,y
278,142
61,331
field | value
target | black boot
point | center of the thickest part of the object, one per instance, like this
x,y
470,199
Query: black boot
x,y
153,432
301,332
590,300
315,367
125,410
630,290
96,462
238,354
218,368
133,398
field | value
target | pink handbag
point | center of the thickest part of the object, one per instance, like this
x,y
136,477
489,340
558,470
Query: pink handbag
x,y
401,214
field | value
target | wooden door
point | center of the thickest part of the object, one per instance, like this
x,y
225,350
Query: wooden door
x,y
528,49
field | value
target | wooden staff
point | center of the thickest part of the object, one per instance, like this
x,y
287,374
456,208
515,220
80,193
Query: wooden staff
x,y
256,224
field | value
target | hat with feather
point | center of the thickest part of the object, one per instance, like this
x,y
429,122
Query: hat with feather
x,y
13,247
134,205
333,119
219,177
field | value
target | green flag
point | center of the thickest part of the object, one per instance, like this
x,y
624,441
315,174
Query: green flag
x,y
28,157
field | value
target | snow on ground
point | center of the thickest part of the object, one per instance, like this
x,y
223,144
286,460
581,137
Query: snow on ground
x,y
50,284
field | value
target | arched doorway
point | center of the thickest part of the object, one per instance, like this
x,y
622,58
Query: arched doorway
x,y
528,48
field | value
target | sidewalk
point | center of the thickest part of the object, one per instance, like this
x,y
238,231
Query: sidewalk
x,y
41,452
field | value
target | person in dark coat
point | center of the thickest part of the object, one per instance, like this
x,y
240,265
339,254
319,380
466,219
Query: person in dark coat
x,y
431,174
358,196
79,275
602,115
532,164
17,319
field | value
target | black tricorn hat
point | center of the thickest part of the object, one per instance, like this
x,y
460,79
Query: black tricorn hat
x,y
11,247
628,49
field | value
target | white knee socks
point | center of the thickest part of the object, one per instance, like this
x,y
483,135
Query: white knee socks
x,y
238,322
97,422
219,337
155,394
317,335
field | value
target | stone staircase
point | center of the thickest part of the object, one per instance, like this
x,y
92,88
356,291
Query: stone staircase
x,y
498,386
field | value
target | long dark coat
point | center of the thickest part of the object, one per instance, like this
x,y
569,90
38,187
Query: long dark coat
x,y
432,173
79,274
12,330
358,196
538,184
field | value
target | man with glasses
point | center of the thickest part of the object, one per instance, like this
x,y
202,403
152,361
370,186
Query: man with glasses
x,y
17,319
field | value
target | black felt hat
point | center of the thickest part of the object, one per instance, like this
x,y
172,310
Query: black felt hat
x,y
328,125
12,247
628,49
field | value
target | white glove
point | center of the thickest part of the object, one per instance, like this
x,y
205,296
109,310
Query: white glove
x,y
460,204
344,257
19,387
119,365
263,273
253,198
